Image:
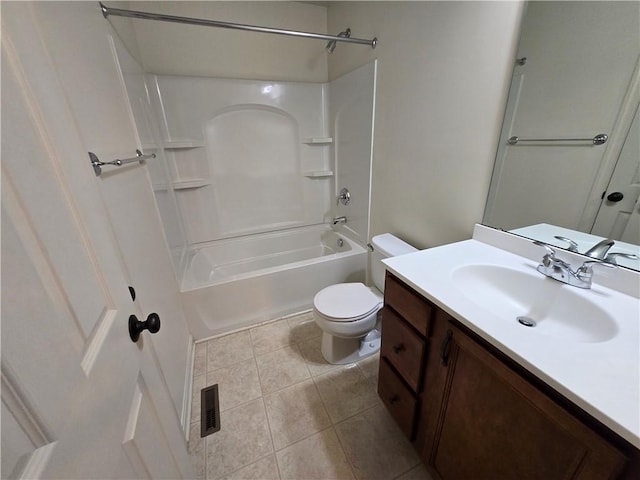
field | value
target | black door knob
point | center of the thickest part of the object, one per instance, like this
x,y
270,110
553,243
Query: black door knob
x,y
136,326
615,196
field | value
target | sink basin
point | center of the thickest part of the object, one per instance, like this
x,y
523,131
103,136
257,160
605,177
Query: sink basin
x,y
535,303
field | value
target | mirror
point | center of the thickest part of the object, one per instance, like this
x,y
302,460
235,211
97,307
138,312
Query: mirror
x,y
576,77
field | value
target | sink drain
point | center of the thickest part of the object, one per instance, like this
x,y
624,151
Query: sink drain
x,y
526,321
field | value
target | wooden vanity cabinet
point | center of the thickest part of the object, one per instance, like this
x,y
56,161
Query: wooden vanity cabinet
x,y
475,414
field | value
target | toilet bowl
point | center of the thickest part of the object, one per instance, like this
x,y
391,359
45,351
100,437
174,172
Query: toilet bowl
x,y
347,313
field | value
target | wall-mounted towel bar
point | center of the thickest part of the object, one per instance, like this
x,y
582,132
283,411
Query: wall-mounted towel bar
x,y
599,139
97,164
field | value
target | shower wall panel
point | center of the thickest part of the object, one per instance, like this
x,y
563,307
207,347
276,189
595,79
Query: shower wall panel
x,y
147,129
254,152
242,159
351,107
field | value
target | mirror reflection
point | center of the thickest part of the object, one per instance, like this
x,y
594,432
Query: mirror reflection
x,y
555,178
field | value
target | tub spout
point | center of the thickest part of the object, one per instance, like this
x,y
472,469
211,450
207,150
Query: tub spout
x,y
337,220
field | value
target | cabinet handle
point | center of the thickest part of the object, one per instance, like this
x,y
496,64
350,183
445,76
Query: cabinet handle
x,y
394,399
399,348
445,348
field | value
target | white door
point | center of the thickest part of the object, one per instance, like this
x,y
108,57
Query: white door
x,y
619,214
79,398
82,45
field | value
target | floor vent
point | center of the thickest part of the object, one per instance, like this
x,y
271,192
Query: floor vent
x,y
210,411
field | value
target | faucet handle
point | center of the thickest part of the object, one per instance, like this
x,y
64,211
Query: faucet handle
x,y
573,246
611,257
551,253
589,264
344,197
585,271
549,250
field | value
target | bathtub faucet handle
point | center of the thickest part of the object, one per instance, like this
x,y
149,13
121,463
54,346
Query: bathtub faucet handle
x,y
344,197
337,220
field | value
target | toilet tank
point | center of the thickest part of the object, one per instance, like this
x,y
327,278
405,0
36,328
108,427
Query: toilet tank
x,y
386,245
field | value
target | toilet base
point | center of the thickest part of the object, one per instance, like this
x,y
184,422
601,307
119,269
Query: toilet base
x,y
340,351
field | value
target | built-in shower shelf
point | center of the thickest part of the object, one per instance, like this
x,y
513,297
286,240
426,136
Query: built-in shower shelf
x,y
319,174
182,144
317,140
189,184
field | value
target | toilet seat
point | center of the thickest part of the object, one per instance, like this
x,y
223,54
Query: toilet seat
x,y
346,302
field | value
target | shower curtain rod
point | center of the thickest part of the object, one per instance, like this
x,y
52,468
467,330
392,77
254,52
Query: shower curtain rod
x,y
119,12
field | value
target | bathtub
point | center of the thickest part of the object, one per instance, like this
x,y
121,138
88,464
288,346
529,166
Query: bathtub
x,y
234,283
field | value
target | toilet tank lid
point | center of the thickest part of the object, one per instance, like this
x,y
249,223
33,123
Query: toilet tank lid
x,y
391,246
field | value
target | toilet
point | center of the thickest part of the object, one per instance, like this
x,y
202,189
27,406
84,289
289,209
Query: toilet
x,y
347,313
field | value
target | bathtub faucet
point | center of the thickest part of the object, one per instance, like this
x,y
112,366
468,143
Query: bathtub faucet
x,y
337,220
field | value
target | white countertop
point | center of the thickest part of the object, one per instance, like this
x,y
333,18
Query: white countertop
x,y
603,378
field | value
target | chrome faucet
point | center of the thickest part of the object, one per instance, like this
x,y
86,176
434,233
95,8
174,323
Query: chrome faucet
x,y
337,220
561,271
600,249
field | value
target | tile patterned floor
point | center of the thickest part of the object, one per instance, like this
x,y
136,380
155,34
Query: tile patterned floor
x,y
287,414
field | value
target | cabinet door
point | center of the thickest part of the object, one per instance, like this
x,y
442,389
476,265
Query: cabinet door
x,y
493,424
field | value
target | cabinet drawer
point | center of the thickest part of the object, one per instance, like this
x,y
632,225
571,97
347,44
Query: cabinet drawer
x,y
415,309
402,347
397,398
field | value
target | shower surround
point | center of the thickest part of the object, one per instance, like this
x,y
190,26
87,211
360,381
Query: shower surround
x,y
246,186
239,164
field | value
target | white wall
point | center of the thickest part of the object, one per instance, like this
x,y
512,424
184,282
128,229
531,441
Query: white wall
x,y
177,49
443,76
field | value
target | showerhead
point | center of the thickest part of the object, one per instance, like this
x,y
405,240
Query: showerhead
x,y
331,46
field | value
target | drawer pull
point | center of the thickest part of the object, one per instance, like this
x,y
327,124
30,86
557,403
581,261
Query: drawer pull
x,y
399,348
395,399
445,347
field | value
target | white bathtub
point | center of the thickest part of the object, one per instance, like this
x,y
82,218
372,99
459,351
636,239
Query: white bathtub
x,y
229,284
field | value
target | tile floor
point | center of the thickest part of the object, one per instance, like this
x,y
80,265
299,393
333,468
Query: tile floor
x,y
287,414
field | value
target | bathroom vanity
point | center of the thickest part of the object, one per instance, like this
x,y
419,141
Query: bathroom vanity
x,y
480,398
